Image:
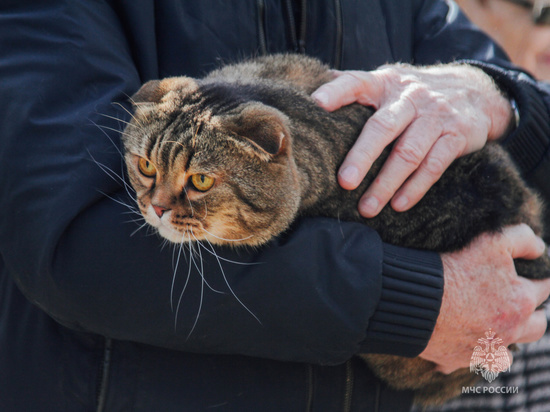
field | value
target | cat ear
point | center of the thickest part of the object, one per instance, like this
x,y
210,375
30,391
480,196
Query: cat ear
x,y
156,92
264,128
151,92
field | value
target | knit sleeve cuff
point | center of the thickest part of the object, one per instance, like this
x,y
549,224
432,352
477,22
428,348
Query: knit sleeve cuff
x,y
412,289
529,143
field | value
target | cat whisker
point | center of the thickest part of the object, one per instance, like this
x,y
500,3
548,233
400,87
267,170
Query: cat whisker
x,y
133,211
199,309
184,288
229,260
197,242
137,220
120,177
108,171
111,129
138,229
205,282
128,111
164,243
227,240
227,283
131,208
112,174
121,121
176,270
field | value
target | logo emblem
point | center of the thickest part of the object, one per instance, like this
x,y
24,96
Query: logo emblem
x,y
490,357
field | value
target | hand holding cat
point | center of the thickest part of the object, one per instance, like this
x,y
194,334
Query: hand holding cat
x,y
436,113
483,291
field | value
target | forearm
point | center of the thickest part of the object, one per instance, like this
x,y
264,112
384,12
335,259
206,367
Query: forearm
x,y
309,297
70,248
529,143
441,26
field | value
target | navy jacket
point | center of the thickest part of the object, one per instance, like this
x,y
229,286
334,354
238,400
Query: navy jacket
x,y
90,311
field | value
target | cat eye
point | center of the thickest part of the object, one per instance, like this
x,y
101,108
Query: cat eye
x,y
202,182
146,168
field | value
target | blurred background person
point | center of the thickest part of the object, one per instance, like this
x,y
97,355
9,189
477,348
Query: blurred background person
x,y
520,27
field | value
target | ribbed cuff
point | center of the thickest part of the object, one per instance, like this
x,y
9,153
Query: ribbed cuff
x,y
412,289
529,143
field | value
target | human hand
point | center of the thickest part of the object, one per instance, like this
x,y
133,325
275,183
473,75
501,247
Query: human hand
x,y
482,292
437,113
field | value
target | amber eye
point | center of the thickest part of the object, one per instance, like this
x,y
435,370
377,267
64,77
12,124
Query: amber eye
x,y
202,182
146,168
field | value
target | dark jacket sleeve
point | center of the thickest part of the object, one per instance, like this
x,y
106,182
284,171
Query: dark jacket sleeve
x,y
71,242
440,24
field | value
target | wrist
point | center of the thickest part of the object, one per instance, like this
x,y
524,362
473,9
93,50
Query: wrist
x,y
529,141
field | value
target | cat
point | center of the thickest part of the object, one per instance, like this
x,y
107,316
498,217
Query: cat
x,y
237,156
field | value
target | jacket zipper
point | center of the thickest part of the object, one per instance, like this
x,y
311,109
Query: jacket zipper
x,y
297,32
339,34
291,24
261,27
104,375
349,387
303,27
299,43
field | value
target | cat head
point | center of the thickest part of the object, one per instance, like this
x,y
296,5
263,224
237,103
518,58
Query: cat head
x,y
208,163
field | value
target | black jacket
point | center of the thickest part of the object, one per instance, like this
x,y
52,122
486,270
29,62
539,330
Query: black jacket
x,y
89,312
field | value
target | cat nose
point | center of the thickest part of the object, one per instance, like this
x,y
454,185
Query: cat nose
x,y
160,210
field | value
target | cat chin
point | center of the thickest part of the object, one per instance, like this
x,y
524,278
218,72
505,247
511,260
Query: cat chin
x,y
173,235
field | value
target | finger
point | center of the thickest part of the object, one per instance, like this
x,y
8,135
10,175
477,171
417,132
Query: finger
x,y
379,131
444,151
349,87
406,155
534,328
523,242
541,290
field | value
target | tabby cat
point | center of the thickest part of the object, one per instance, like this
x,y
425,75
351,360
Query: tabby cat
x,y
236,156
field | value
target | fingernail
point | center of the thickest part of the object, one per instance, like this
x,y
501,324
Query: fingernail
x,y
321,98
350,174
370,206
400,203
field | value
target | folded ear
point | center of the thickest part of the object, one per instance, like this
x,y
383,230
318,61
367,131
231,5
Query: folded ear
x,y
156,92
264,128
151,92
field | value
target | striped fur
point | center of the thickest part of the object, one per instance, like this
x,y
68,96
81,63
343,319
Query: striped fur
x,y
274,155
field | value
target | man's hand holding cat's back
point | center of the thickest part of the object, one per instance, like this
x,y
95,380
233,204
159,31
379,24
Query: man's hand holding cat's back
x,y
436,113
483,291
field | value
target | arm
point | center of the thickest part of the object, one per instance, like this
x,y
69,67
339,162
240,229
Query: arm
x,y
438,29
68,243
420,97
529,145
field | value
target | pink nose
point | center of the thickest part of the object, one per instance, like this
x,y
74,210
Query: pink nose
x,y
159,210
